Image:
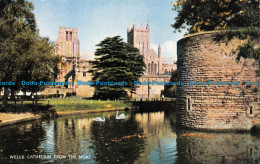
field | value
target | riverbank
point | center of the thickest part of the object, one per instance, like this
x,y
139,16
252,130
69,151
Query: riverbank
x,y
57,107
67,113
15,118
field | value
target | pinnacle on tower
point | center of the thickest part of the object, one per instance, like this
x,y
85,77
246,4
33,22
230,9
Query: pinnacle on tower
x,y
147,26
129,29
134,26
159,51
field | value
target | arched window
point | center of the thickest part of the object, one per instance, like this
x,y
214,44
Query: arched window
x,y
155,68
70,39
165,71
152,68
149,66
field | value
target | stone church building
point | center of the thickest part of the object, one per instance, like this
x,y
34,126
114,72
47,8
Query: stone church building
x,y
140,38
155,68
73,67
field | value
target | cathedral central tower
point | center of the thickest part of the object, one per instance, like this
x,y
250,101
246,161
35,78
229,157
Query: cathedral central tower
x,y
139,37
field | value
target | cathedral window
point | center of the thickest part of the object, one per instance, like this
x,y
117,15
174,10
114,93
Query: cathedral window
x,y
149,66
152,68
155,70
84,67
84,74
67,36
70,36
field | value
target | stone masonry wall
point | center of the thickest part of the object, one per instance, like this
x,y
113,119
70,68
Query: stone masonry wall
x,y
215,107
154,90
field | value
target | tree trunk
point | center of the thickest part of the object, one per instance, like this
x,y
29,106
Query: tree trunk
x,y
5,98
12,94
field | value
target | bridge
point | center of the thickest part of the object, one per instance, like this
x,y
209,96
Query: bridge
x,y
153,104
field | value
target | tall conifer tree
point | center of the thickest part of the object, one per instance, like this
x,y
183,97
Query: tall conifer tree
x,y
116,61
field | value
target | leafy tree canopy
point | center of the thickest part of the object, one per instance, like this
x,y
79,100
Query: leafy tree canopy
x,y
116,61
24,55
205,15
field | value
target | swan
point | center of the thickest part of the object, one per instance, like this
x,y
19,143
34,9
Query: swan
x,y
99,119
121,116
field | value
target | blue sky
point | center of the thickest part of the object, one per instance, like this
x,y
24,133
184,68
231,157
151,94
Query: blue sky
x,y
98,19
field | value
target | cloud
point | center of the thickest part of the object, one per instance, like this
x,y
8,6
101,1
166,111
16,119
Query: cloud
x,y
169,49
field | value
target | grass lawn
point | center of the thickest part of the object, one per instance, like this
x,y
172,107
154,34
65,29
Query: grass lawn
x,y
74,104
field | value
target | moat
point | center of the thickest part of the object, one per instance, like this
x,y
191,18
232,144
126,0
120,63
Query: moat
x,y
148,137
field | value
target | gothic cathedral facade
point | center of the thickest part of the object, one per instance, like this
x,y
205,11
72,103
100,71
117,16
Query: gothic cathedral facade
x,y
140,39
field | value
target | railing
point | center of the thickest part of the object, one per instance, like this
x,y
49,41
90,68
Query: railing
x,y
153,99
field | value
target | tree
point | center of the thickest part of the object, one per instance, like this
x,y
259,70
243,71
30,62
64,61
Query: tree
x,y
170,90
38,64
205,15
24,55
116,61
16,19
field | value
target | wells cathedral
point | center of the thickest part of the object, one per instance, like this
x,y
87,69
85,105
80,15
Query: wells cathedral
x,y
73,67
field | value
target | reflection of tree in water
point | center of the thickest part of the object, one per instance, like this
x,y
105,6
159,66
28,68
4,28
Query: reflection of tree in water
x,y
117,141
202,147
170,114
23,139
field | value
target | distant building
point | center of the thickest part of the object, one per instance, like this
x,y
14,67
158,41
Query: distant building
x,y
140,38
156,70
73,68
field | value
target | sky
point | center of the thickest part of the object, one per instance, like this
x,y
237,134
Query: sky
x,y
98,19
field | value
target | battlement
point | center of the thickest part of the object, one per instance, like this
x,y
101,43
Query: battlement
x,y
67,34
68,44
142,28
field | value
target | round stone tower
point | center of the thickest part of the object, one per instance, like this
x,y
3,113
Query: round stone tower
x,y
216,106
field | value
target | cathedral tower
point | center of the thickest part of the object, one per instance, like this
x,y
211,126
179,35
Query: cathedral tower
x,y
68,47
139,37
68,42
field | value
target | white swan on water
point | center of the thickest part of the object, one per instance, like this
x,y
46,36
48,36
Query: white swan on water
x,y
99,119
121,116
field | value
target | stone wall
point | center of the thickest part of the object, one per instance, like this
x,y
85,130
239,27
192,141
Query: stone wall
x,y
151,90
83,76
215,107
58,90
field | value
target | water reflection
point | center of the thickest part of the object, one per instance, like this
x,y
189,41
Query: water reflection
x,y
117,141
142,138
160,140
199,147
20,141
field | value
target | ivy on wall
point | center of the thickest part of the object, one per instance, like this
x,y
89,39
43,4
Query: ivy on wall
x,y
250,49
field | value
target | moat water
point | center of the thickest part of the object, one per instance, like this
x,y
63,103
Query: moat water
x,y
149,137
